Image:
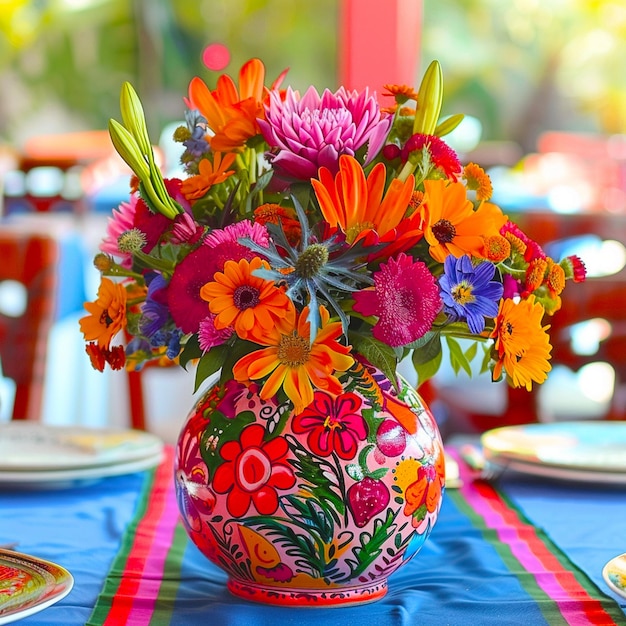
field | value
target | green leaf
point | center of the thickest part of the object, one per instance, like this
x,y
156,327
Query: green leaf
x,y
210,363
426,348
380,355
190,352
470,353
486,362
371,545
426,370
458,359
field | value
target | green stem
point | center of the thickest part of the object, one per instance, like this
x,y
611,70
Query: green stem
x,y
406,171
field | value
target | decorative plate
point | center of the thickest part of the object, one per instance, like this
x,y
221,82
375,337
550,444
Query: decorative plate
x,y
583,451
614,573
29,585
33,446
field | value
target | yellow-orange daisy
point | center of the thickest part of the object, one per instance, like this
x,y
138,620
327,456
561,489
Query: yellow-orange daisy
x,y
521,342
296,362
210,173
356,203
451,225
478,180
107,315
243,301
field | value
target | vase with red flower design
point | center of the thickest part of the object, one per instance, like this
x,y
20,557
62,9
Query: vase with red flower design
x,y
311,509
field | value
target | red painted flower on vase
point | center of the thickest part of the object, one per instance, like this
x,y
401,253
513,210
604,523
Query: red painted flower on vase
x,y
253,471
196,498
333,424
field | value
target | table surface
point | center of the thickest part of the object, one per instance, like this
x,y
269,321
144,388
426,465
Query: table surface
x,y
525,551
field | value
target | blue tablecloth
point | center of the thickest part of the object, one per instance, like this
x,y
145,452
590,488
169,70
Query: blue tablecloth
x,y
528,551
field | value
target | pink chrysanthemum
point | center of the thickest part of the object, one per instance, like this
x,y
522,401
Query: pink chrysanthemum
x,y
209,336
310,132
186,306
122,220
226,247
442,155
405,298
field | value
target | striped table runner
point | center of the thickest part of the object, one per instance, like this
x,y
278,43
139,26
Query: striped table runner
x,y
147,579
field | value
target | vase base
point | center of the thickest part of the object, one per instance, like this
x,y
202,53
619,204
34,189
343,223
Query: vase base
x,y
323,597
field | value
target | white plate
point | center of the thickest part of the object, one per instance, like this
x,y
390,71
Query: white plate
x,y
29,585
63,478
581,451
614,573
33,446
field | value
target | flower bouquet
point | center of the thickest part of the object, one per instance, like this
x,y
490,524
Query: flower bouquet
x,y
313,243
313,230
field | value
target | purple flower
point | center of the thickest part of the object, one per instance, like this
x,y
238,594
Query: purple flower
x,y
154,312
468,291
405,299
309,132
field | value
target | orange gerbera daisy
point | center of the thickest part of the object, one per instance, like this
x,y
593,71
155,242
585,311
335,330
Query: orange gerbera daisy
x,y
230,113
211,173
242,301
522,343
451,225
107,315
356,204
292,361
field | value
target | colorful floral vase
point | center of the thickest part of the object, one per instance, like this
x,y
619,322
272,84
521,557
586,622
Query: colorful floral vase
x,y
315,509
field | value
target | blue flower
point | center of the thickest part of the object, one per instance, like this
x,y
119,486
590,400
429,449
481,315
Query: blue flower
x,y
468,292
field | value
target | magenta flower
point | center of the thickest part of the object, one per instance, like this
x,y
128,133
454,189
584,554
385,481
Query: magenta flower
x,y
309,132
333,424
186,230
405,298
187,308
442,155
209,336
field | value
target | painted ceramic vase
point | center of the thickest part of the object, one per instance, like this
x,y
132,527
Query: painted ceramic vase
x,y
315,509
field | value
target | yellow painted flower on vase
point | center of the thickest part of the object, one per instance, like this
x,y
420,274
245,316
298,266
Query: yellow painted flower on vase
x,y
294,361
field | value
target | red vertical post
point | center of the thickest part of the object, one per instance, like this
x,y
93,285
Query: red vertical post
x,y
379,43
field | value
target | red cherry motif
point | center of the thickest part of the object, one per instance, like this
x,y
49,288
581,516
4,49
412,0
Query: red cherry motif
x,y
367,498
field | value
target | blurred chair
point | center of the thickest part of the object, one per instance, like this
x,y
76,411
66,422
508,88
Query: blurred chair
x,y
27,312
590,328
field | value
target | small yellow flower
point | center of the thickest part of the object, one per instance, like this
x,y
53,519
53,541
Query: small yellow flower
x,y
497,248
107,315
478,180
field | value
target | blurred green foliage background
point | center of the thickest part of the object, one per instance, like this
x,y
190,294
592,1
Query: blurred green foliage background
x,y
520,66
